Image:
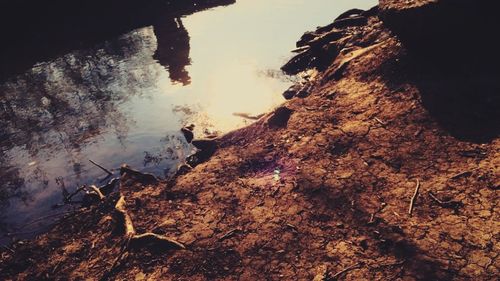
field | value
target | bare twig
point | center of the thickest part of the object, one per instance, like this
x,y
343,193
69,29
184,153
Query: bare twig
x,y
397,263
413,198
292,227
229,234
102,168
44,218
445,204
372,216
343,271
8,248
70,196
380,121
462,175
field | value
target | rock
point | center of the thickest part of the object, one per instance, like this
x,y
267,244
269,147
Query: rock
x,y
280,117
308,36
301,49
145,178
206,148
205,144
343,23
108,188
325,38
351,21
292,91
183,169
297,90
304,91
372,12
188,133
350,13
298,63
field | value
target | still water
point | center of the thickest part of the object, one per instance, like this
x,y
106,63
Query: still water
x,y
125,99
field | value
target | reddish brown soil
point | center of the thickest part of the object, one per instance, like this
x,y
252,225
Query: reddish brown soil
x,y
318,192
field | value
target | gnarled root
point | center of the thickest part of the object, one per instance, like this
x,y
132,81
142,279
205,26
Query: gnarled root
x,y
146,240
96,191
123,218
154,241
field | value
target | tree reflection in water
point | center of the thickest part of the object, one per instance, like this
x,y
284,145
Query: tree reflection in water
x,y
173,48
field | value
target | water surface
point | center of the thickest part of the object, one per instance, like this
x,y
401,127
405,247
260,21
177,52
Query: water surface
x,y
125,99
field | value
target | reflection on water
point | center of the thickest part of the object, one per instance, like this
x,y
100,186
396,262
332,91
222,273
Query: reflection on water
x,y
173,48
125,99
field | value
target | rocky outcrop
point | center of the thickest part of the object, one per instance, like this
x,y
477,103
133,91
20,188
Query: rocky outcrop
x,y
318,49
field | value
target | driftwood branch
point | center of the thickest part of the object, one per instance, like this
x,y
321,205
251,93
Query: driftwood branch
x,y
102,168
67,199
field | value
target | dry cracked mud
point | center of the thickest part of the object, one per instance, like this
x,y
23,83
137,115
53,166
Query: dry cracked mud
x,y
318,190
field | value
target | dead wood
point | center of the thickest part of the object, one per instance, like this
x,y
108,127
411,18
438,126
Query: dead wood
x,y
102,168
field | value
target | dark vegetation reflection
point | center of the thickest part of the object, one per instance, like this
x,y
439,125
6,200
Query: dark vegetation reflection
x,y
173,48
36,31
62,82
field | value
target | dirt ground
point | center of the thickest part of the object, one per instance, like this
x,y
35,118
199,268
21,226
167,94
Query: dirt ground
x,y
383,166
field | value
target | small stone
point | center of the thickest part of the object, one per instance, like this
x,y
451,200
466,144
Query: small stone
x,y
280,117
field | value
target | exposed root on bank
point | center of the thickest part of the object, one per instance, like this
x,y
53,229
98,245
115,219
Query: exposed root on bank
x,y
123,219
159,242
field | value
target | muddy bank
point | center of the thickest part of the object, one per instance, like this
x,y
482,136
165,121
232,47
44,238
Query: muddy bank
x,y
379,168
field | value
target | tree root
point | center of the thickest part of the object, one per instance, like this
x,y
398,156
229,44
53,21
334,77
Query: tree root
x,y
134,241
151,240
96,191
159,242
123,218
